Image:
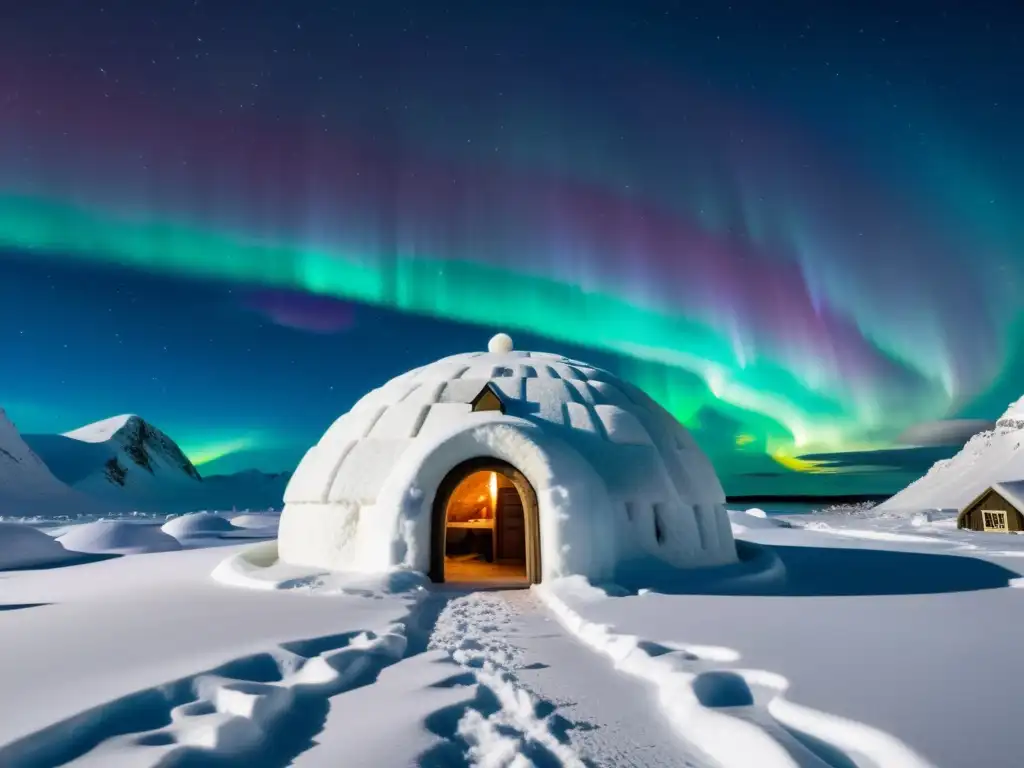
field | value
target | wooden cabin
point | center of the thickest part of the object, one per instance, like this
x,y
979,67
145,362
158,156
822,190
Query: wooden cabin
x,y
998,509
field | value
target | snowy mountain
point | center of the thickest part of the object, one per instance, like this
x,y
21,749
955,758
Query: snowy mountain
x,y
989,457
27,486
124,459
138,451
131,465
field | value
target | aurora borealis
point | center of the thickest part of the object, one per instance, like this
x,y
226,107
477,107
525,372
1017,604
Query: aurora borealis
x,y
798,229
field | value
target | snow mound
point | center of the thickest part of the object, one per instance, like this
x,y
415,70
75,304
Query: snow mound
x,y
745,520
118,537
256,521
197,525
988,458
252,568
22,546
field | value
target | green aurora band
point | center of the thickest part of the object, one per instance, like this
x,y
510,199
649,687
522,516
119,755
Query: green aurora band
x,y
683,364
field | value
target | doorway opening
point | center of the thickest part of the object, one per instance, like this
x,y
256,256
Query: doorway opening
x,y
485,526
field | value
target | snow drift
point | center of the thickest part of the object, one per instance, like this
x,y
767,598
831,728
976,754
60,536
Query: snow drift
x,y
989,457
22,546
251,521
118,537
197,525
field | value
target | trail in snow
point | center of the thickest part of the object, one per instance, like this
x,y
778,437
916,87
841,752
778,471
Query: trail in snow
x,y
620,724
540,697
502,725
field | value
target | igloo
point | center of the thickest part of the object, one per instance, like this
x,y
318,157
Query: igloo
x,y
553,467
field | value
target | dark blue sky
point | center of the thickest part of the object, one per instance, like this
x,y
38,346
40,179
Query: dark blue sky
x,y
795,224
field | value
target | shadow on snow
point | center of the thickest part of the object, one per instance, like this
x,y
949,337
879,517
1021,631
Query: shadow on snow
x,y
797,571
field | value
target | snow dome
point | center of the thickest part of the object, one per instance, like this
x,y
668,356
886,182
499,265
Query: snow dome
x,y
541,462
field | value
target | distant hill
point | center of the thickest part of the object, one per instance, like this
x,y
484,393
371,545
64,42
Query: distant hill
x,y
128,463
989,457
27,486
121,452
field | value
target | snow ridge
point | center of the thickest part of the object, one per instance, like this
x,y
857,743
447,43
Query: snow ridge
x,y
1014,415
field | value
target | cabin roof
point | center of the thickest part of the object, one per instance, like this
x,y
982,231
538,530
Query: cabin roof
x,y
1011,490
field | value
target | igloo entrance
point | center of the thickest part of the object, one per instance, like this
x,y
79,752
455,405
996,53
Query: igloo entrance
x,y
485,525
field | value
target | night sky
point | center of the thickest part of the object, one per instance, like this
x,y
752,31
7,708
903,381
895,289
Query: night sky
x,y
797,225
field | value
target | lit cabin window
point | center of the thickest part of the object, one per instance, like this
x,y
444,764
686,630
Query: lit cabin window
x,y
994,521
488,400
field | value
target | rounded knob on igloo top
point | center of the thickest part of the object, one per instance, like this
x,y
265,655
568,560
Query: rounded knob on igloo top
x,y
500,344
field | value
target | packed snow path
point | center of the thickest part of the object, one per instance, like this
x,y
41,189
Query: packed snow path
x,y
539,697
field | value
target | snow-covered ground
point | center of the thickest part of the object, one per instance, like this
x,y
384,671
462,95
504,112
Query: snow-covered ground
x,y
844,640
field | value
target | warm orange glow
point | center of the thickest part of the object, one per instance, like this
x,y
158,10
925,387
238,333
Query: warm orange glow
x,y
494,494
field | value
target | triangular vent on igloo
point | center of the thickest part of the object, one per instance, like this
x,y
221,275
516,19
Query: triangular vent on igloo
x,y
487,399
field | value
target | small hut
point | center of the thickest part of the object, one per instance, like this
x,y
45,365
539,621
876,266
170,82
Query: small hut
x,y
998,509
